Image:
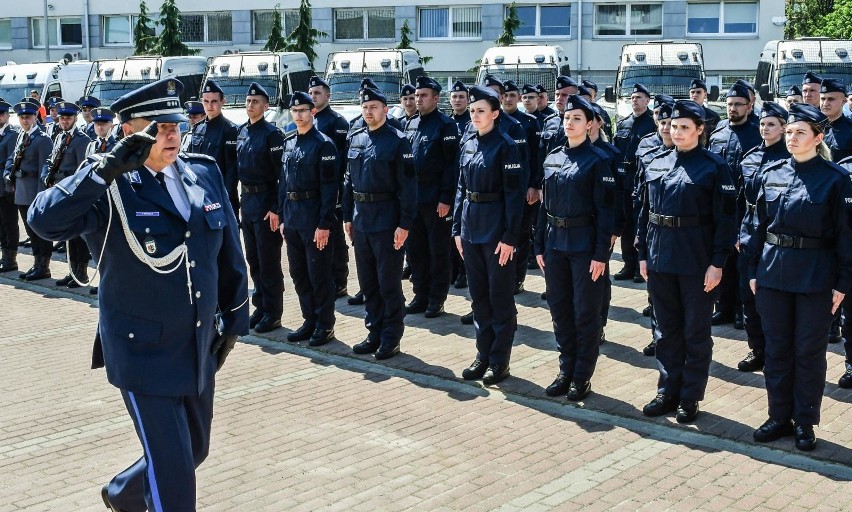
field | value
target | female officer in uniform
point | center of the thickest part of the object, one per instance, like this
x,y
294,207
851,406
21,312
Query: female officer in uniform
x,y
801,268
574,233
486,224
687,229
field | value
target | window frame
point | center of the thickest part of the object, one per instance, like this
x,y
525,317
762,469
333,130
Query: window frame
x,y
628,31
8,46
721,34
205,16
58,20
450,35
254,14
129,17
537,34
365,24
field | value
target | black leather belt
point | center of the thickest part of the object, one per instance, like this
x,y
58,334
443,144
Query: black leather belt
x,y
362,197
570,222
669,221
301,196
253,189
484,197
798,242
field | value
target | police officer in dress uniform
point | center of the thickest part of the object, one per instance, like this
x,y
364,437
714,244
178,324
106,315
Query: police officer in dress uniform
x,y
773,117
575,230
69,151
698,94
544,101
21,176
194,112
308,195
9,231
628,132
794,95
838,135
51,126
529,99
104,141
87,104
408,103
217,137
435,144
379,205
592,89
801,268
687,229
486,226
161,335
461,115
260,145
845,380
811,83
333,125
358,122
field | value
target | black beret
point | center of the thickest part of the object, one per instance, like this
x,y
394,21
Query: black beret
x,y
368,83
665,111
688,109
600,113
482,92
697,83
89,101
211,86
459,86
407,90
4,106
738,91
590,85
794,91
832,85
255,89
301,98
582,91
510,85
425,82
158,101
529,89
811,78
807,112
577,102
193,107
102,114
316,81
491,80
563,81
373,95
540,88
772,109
66,108
663,99
641,89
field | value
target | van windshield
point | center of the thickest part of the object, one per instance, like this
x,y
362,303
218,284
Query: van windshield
x,y
792,74
345,86
235,89
521,75
673,81
14,93
110,91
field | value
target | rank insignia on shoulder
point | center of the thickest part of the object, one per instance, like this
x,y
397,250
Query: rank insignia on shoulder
x,y
211,207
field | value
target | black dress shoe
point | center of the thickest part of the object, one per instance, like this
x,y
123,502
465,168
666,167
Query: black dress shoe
x,y
303,333
267,323
341,292
475,371
367,346
387,351
720,318
773,430
637,278
434,310
255,317
356,300
461,281
660,405
845,381
321,337
467,319
65,281
495,373
687,411
624,274
805,437
752,362
647,311
23,275
519,288
739,322
93,290
107,502
543,295
559,386
579,390
417,305
25,242
59,247
651,349
835,334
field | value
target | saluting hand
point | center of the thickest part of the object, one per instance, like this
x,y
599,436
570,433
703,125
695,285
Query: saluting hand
x,y
129,154
506,253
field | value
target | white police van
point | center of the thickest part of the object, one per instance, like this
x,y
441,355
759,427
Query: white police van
x,y
63,79
784,63
525,64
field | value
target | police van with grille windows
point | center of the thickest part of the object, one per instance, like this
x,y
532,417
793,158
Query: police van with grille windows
x,y
784,63
525,64
64,79
111,79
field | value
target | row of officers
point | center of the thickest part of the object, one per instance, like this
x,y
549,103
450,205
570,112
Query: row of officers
x,y
490,180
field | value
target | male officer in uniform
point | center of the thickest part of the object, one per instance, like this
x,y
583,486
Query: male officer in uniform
x,y
811,84
260,146
435,144
9,231
217,137
794,95
308,195
69,151
22,172
194,112
552,133
529,99
86,104
358,123
51,126
592,88
628,133
379,205
839,133
161,335
698,94
461,116
104,141
408,103
543,101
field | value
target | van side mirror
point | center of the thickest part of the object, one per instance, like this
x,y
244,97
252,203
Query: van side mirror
x,y
714,93
765,93
609,94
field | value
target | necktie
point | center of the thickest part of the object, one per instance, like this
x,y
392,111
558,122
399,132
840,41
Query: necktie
x,y
162,179
103,147
26,140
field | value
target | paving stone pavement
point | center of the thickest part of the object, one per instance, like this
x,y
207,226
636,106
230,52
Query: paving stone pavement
x,y
297,428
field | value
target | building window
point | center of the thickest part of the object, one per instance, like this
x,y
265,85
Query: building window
x,y
721,18
543,20
451,22
118,30
6,33
262,24
206,28
360,24
60,32
628,19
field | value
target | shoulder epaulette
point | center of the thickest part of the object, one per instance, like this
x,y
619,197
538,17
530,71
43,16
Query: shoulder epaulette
x,y
198,156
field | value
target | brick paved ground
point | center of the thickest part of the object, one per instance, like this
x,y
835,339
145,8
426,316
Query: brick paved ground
x,y
305,429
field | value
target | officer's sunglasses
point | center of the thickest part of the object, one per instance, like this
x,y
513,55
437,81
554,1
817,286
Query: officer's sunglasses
x,y
299,111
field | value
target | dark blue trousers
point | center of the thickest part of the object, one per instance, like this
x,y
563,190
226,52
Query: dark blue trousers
x,y
341,250
796,327
311,271
575,306
522,252
263,254
491,287
751,318
683,311
379,274
175,437
9,230
429,248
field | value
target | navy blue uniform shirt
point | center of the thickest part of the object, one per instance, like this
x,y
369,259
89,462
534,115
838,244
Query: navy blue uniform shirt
x,y
532,132
217,138
751,169
732,142
434,141
616,167
309,166
839,138
462,120
259,149
629,132
8,137
513,128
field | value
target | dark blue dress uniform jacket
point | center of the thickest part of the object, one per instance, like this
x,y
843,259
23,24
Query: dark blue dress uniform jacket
x,y
532,133
435,144
217,138
629,132
462,120
578,182
488,164
733,142
751,168
8,138
329,122
155,341
695,183
380,162
513,128
812,199
72,157
259,149
617,170
839,138
36,154
304,155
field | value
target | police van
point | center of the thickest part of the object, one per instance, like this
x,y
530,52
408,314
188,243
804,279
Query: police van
x,y
664,67
111,79
784,63
64,79
525,64
389,68
279,73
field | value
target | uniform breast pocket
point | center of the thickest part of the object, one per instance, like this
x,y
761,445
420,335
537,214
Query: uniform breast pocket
x,y
148,223
772,198
353,161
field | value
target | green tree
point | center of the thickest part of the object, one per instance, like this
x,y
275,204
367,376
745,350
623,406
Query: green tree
x,y
510,24
405,41
169,43
276,41
838,23
805,17
305,37
143,32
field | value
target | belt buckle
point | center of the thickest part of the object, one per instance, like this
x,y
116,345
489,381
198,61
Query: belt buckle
x,y
474,196
786,240
359,196
666,221
291,196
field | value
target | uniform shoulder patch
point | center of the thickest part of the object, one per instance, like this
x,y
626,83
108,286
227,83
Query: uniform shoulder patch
x,y
751,152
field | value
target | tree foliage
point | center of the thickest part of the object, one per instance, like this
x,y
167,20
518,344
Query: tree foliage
x,y
838,22
276,41
304,37
169,43
510,24
405,41
805,18
144,39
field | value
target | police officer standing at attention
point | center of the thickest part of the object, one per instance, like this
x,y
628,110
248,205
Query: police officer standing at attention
x,y
379,206
408,103
194,112
260,146
459,102
330,123
839,131
687,229
217,137
9,230
544,101
592,89
552,133
811,84
104,141
801,269
628,132
435,145
171,262
308,196
698,94
87,103
22,177
794,95
529,98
